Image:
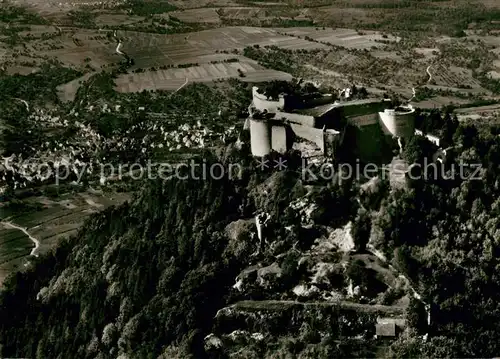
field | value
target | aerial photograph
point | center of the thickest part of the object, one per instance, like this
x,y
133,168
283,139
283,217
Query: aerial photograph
x,y
249,179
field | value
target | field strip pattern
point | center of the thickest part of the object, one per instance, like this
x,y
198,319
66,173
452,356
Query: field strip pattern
x,y
347,38
172,79
152,49
203,15
14,244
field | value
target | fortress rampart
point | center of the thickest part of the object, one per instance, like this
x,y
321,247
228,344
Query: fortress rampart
x,y
296,118
311,134
325,125
261,103
260,137
399,122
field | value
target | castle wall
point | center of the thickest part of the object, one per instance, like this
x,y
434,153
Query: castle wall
x,y
279,139
261,102
304,120
357,113
323,100
260,138
434,139
369,122
399,124
315,135
364,120
367,144
358,109
246,125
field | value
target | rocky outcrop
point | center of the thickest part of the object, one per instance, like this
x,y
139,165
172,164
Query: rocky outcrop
x,y
243,241
306,291
263,277
338,239
212,342
287,317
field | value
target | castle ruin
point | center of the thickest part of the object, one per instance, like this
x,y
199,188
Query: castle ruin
x,y
361,125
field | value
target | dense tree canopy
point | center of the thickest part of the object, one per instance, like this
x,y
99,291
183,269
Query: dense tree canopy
x,y
138,277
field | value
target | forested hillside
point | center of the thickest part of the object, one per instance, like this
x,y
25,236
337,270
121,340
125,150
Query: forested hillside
x,y
147,279
136,279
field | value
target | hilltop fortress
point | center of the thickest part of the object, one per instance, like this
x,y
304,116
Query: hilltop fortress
x,y
364,128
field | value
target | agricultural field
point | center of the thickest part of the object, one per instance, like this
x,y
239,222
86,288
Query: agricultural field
x,y
82,48
438,102
206,15
262,13
194,4
117,19
478,113
172,79
55,219
155,50
332,56
385,52
347,38
14,246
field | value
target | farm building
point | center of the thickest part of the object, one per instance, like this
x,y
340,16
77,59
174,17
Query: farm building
x,y
364,127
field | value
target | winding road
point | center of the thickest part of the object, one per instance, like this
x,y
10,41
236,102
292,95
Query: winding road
x,y
429,73
24,230
118,51
24,102
428,81
119,45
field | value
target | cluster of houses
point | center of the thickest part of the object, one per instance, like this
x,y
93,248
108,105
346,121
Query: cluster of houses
x,y
84,154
